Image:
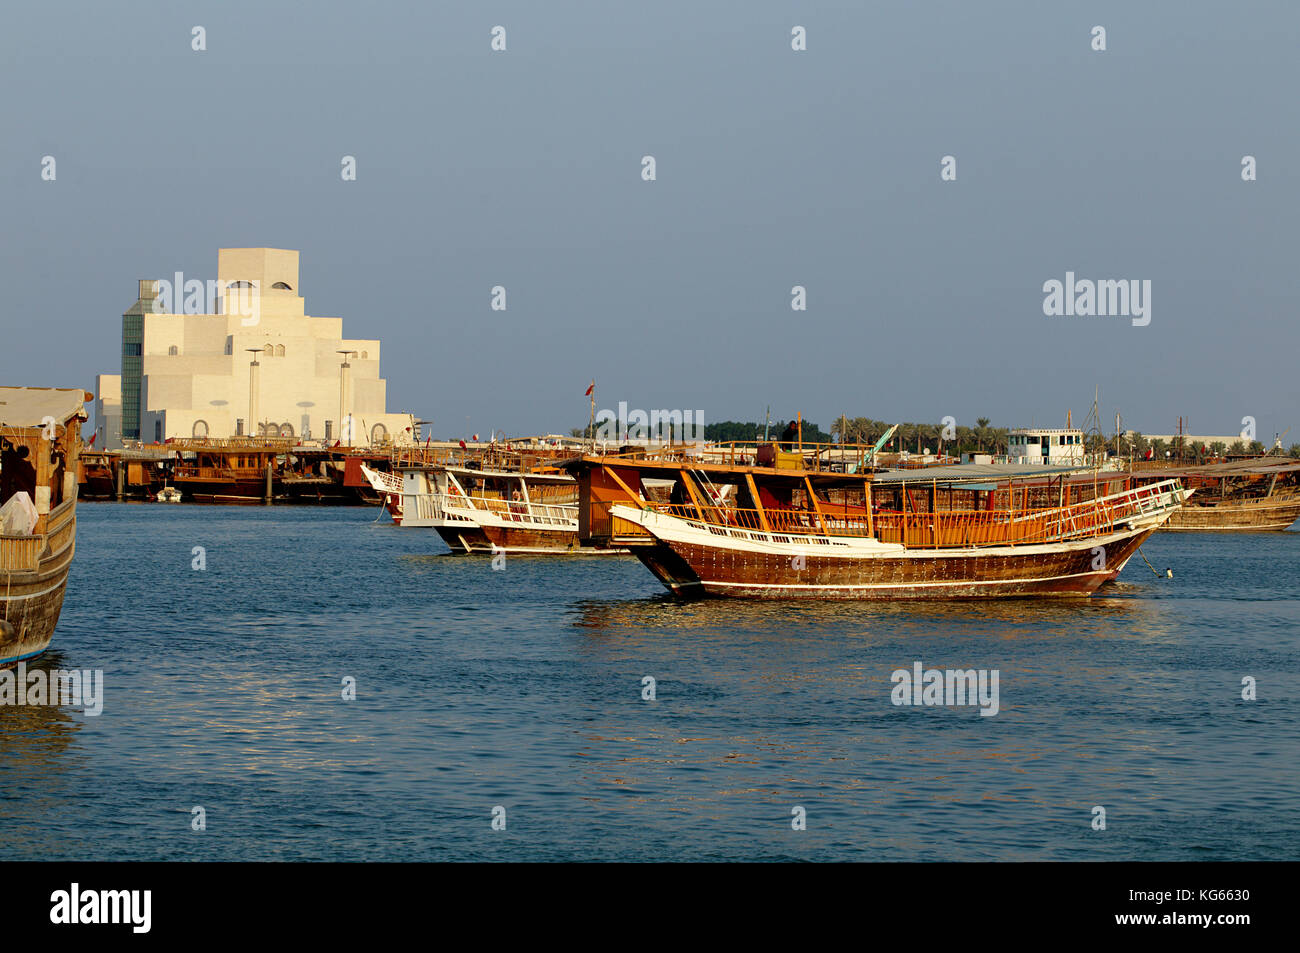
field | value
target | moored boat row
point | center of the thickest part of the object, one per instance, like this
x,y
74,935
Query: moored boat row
x,y
826,522
1242,496
765,520
769,532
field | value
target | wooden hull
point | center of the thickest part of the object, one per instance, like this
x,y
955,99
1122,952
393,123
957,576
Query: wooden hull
x,y
1270,514
691,566
320,491
476,538
33,579
250,491
98,484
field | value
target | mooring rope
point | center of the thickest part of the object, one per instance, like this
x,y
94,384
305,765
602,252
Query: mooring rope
x,y
1169,573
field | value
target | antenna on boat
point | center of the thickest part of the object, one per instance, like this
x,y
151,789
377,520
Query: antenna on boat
x,y
1094,439
768,425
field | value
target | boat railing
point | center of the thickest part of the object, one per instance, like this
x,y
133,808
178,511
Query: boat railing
x,y
21,553
516,511
383,481
523,459
939,529
815,457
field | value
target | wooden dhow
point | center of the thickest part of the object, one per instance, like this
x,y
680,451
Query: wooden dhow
x,y
1241,496
40,439
783,531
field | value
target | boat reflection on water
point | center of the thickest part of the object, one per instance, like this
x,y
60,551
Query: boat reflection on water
x,y
35,738
759,704
1113,613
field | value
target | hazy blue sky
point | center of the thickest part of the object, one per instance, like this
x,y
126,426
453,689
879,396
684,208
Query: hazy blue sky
x,y
775,168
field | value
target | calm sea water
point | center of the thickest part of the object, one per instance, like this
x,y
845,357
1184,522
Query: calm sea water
x,y
523,689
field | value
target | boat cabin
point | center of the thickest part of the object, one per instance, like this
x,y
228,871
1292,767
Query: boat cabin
x,y
40,441
1030,446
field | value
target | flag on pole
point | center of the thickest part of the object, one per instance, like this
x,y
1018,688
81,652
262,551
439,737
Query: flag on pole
x,y
591,424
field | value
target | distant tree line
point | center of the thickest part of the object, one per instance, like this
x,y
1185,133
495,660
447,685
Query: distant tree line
x,y
728,430
1192,451
982,438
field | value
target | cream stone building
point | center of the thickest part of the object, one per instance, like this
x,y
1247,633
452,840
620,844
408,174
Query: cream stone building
x,y
252,362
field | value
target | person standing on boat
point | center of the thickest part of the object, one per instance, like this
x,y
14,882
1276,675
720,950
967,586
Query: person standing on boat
x,y
16,472
789,435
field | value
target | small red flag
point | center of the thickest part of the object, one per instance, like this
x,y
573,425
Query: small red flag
x,y
462,444
590,389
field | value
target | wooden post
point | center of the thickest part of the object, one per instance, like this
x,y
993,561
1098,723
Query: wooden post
x,y
934,511
686,482
268,483
121,478
758,503
866,498
812,501
902,519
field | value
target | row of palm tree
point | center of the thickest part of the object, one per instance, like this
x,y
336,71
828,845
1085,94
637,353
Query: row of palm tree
x,y
917,437
982,438
1181,449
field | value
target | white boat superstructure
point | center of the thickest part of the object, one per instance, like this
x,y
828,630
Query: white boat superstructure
x,y
487,511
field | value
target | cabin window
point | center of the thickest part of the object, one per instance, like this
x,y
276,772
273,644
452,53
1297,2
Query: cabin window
x,y
279,350
200,429
269,351
239,426
281,286
286,430
173,351
157,431
378,433
364,355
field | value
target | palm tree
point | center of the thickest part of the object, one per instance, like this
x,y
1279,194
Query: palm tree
x,y
980,424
